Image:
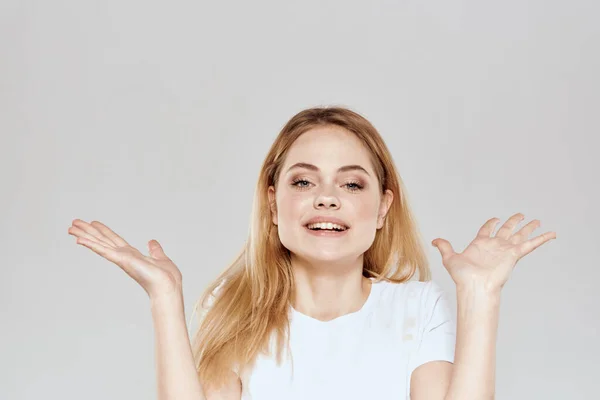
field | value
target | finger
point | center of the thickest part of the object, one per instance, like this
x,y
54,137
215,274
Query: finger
x,y
506,231
532,244
77,232
98,248
487,228
444,247
156,250
118,240
93,231
523,233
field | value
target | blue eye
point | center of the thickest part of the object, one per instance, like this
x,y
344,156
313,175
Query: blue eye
x,y
297,181
353,186
357,186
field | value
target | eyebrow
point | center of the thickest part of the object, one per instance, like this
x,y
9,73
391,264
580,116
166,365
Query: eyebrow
x,y
345,168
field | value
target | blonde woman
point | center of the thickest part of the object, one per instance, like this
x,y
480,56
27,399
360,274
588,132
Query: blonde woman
x,y
322,302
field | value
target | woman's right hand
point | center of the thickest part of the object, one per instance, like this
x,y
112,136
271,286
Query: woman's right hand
x,y
157,274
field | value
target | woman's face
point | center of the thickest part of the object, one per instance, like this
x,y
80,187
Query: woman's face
x,y
328,173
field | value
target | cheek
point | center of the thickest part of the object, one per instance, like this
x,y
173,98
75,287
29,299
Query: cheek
x,y
366,210
365,224
291,209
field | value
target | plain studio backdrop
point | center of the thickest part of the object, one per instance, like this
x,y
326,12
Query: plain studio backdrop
x,y
154,117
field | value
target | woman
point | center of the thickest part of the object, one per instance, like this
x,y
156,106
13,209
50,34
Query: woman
x,y
320,303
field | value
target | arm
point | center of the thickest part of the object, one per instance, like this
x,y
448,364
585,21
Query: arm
x,y
480,273
472,376
161,279
474,372
176,373
175,369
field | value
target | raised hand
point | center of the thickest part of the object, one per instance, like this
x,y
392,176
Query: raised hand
x,y
156,273
488,261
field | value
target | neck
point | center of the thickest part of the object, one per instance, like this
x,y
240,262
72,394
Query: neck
x,y
327,290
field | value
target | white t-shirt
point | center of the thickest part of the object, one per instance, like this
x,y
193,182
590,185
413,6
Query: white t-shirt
x,y
368,354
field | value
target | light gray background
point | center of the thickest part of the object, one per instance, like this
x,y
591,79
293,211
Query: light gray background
x,y
153,117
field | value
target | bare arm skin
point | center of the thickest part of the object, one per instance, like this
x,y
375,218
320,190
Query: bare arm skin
x,y
480,273
473,374
176,373
177,378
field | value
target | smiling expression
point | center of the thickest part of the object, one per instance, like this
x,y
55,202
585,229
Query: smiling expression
x,y
328,175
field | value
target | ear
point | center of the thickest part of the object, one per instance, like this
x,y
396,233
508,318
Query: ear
x,y
272,204
384,206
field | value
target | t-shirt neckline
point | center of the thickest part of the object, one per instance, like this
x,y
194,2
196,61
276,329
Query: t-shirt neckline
x,y
342,318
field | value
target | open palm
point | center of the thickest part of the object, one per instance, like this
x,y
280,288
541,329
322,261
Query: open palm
x,y
156,273
489,260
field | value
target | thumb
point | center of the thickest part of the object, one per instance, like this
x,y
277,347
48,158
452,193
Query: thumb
x,y
156,250
444,247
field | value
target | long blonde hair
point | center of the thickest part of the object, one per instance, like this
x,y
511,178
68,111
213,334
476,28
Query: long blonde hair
x,y
247,305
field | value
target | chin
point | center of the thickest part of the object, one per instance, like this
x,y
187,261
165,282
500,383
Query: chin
x,y
326,256
323,255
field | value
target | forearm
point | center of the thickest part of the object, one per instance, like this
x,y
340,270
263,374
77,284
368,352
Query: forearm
x,y
175,369
474,371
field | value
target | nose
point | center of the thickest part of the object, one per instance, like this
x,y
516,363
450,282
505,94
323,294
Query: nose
x,y
327,201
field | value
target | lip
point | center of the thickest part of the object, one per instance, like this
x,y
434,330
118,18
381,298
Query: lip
x,y
327,233
324,218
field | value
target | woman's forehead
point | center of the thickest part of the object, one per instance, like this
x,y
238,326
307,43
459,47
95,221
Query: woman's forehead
x,y
328,149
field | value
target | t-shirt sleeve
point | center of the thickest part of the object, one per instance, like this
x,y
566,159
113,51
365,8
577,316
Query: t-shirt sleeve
x,y
436,339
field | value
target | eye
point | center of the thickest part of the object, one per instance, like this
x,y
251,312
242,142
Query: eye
x,y
354,186
300,183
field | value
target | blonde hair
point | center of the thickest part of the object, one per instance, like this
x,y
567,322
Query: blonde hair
x,y
248,303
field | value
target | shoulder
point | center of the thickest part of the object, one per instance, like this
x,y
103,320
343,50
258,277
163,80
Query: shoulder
x,y
413,302
418,291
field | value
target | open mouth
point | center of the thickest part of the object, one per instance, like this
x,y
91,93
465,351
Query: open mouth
x,y
326,227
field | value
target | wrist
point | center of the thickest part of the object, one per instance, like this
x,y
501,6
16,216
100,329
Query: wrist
x,y
168,299
475,298
478,289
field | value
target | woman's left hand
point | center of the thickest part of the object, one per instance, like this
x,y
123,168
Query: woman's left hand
x,y
488,261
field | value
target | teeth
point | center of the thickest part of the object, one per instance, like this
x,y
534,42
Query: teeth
x,y
326,225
